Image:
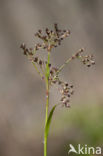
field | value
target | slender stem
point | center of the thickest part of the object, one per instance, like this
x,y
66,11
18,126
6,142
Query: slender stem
x,y
68,60
41,75
62,66
46,118
47,102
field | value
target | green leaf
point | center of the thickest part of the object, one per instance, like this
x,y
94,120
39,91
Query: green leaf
x,y
47,127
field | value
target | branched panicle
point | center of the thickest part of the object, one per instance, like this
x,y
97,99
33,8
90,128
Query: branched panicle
x,y
52,39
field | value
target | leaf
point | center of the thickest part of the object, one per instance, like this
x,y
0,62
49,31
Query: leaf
x,y
47,127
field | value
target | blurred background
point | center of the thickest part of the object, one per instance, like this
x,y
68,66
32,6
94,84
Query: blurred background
x,y
22,93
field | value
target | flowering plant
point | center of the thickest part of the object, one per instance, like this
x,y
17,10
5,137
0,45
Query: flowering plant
x,y
50,74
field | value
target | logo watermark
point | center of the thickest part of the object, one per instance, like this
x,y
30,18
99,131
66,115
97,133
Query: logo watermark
x,y
84,149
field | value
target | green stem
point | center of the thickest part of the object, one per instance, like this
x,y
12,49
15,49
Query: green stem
x,y
62,66
47,102
41,75
46,117
67,61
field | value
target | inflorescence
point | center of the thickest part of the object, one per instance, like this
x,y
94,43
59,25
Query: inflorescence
x,y
52,39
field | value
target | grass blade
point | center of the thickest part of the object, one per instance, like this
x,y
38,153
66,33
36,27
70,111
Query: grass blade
x,y
49,120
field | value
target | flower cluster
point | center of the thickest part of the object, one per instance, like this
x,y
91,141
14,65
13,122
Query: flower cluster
x,y
66,92
50,40
26,50
87,60
65,89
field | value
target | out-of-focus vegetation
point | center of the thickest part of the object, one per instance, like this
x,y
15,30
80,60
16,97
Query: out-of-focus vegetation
x,y
83,124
